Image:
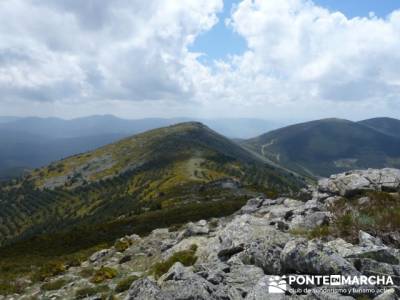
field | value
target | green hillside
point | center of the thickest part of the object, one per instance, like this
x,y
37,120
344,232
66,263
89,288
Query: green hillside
x,y
158,170
387,126
324,147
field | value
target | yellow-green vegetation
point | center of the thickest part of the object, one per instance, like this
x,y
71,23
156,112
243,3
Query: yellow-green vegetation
x,y
156,179
17,260
91,291
54,284
122,244
159,169
103,274
35,259
48,270
86,272
316,232
185,257
125,283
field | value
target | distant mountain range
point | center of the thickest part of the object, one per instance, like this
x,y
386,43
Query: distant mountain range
x,y
316,148
324,147
33,142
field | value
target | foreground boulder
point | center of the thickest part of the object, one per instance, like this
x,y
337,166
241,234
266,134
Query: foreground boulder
x,y
350,183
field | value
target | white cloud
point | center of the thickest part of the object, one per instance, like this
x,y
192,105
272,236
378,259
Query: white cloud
x,y
300,52
108,50
302,60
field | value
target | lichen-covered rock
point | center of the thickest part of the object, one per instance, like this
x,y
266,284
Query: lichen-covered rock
x,y
100,255
145,289
350,183
313,257
367,240
390,294
235,256
182,283
199,228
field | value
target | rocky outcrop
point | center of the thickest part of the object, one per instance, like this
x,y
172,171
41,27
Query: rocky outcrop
x,y
238,257
350,183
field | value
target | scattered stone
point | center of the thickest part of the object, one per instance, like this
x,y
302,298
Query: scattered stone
x,y
236,256
100,255
390,294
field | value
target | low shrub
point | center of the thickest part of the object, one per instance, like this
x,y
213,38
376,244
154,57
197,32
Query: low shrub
x,y
49,270
86,272
185,257
125,283
316,232
104,273
53,285
91,291
379,215
121,245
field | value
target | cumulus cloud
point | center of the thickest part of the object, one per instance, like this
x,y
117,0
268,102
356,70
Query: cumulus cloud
x,y
54,50
308,52
133,53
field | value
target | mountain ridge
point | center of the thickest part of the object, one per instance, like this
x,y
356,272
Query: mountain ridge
x,y
162,169
327,146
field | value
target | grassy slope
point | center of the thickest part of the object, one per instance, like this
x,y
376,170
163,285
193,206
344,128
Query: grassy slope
x,y
159,178
387,126
328,146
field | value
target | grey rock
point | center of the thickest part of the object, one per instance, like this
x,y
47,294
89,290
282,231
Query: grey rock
x,y
264,255
100,255
314,205
371,267
252,205
390,294
342,247
145,289
260,291
176,272
242,231
323,295
367,240
350,183
167,244
193,286
243,277
313,257
379,254
392,238
214,272
199,228
310,220
363,200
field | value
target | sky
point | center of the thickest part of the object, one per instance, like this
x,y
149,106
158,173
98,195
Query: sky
x,y
271,59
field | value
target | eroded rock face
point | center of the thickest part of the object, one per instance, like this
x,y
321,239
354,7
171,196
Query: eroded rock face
x,y
238,255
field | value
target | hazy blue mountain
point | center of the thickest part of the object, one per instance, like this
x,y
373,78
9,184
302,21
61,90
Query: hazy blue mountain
x,y
324,147
108,124
21,151
88,126
7,119
387,126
